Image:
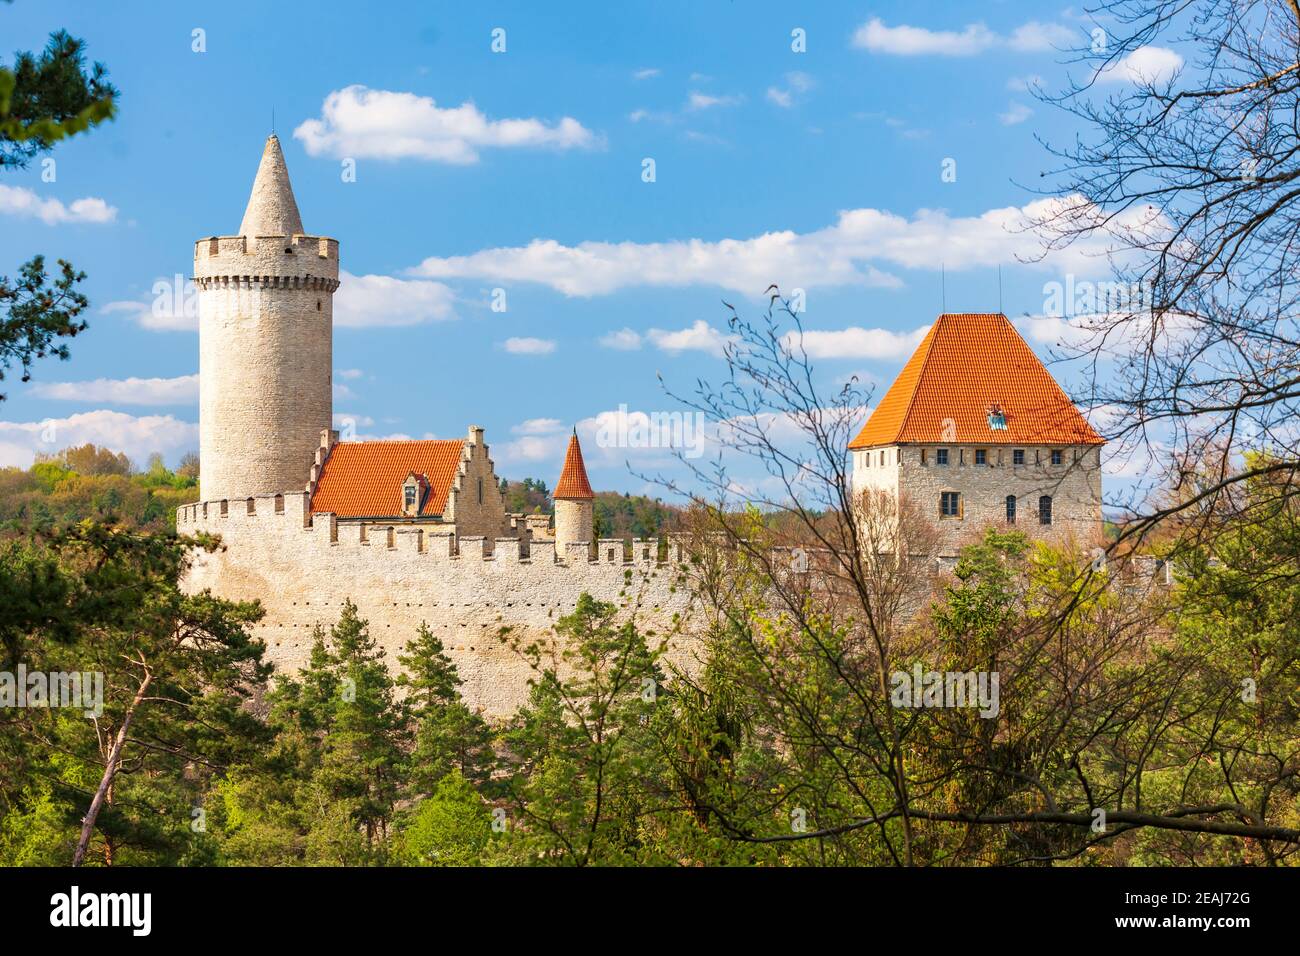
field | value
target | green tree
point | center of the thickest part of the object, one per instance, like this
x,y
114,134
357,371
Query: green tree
x,y
326,791
44,99
452,827
176,671
449,737
584,770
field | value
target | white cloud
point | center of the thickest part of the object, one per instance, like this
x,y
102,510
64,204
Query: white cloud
x,y
781,98
796,82
529,346
1145,65
375,300
137,437
857,343
698,337
903,40
875,36
799,82
624,340
23,202
344,420
160,315
702,101
1035,37
349,373
530,449
537,426
360,302
1023,84
358,122
842,254
182,390
1016,113
646,74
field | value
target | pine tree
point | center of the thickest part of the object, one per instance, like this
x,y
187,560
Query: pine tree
x,y
449,737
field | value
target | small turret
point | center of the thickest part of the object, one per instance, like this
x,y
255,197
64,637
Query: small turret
x,y
573,502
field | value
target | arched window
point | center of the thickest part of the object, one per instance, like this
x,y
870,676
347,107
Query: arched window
x,y
1011,509
1045,509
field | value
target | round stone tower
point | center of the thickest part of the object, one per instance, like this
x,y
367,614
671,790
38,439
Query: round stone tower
x,y
266,322
573,502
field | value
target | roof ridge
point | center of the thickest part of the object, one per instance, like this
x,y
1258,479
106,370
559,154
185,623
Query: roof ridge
x,y
1052,378
398,441
931,338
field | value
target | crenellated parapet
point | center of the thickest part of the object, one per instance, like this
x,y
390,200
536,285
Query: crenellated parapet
x,y
289,514
279,262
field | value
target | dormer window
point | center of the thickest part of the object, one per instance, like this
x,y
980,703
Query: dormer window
x,y
412,494
997,418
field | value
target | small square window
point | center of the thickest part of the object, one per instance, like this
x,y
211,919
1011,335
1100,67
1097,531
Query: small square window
x,y
1057,457
1018,456
981,456
950,504
941,456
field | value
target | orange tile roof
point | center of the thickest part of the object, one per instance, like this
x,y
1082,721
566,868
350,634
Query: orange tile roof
x,y
573,481
363,479
968,364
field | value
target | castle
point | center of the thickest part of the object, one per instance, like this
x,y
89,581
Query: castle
x,y
975,432
416,531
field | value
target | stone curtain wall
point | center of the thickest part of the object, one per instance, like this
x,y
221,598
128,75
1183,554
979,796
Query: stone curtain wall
x,y
303,567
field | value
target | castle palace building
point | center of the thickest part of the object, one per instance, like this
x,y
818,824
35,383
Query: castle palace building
x,y
975,433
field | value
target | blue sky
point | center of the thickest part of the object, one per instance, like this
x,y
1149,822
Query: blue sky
x,y
522,170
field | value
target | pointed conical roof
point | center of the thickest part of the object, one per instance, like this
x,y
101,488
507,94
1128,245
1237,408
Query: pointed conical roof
x,y
969,367
573,483
271,210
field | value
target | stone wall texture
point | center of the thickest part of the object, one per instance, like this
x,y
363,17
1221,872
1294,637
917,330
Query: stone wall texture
x,y
302,568
1074,486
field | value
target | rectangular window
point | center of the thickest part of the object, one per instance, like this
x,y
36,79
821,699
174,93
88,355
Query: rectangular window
x,y
950,504
480,491
1057,457
1011,509
1018,456
981,456
410,497
923,456
941,456
1045,509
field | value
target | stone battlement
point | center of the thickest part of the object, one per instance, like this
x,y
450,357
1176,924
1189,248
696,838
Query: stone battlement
x,y
265,259
280,513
